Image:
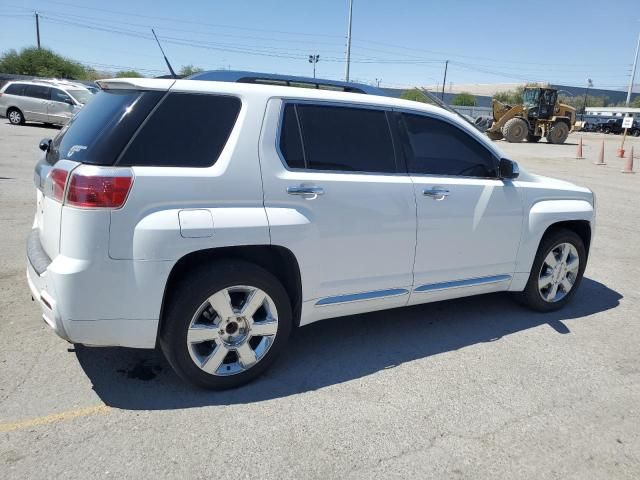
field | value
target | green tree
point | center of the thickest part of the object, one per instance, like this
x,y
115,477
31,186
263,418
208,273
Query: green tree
x,y
41,63
415,95
464,99
128,74
578,102
188,70
635,103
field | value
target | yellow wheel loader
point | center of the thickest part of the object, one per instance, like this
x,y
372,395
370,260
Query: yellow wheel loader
x,y
540,115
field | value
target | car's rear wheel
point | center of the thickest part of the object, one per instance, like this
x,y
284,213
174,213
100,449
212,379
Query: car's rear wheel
x,y
557,271
15,116
225,324
635,133
606,130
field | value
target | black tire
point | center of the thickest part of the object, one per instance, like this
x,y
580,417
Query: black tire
x,y
192,291
558,133
515,130
531,296
15,116
635,133
606,130
533,138
494,135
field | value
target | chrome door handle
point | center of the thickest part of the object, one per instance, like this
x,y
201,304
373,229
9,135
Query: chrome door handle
x,y
436,193
308,192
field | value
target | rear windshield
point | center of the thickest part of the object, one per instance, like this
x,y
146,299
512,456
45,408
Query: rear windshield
x,y
98,133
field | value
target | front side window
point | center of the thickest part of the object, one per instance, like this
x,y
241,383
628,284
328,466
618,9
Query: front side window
x,y
37,91
436,147
185,130
60,96
337,138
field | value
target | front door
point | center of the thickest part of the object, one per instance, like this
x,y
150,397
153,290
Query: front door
x,y
60,107
337,198
469,221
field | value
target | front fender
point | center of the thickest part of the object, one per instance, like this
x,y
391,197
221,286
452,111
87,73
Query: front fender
x,y
543,215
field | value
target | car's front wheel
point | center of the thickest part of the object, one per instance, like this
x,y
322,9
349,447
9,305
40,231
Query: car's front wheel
x,y
557,271
225,323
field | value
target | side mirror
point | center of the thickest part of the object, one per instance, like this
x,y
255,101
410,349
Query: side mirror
x,y
69,101
44,145
508,169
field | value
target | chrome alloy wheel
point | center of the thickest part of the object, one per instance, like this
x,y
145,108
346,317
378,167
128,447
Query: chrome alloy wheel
x,y
559,272
232,330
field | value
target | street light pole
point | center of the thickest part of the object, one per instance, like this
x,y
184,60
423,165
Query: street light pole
x,y
346,75
586,91
314,59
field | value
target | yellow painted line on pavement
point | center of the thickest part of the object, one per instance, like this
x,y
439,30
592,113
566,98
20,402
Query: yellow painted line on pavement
x,y
54,418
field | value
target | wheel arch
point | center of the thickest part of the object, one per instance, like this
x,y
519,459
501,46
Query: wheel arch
x,y
278,260
581,227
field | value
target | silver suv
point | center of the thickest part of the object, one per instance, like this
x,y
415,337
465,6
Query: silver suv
x,y
47,101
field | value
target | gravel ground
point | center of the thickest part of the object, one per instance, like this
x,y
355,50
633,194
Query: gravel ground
x,y
472,388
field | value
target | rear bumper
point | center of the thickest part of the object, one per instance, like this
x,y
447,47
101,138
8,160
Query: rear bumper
x,y
102,303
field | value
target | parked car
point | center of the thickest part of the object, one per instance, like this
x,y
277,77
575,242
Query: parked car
x,y
47,101
614,125
266,208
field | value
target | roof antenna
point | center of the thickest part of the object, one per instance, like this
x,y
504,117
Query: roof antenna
x,y
165,57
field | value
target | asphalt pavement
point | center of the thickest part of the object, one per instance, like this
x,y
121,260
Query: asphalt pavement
x,y
472,388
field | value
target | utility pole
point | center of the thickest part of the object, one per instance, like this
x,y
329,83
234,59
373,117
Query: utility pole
x,y
378,80
38,29
444,82
633,72
314,59
346,75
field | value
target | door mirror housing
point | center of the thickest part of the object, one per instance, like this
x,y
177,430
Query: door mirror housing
x,y
508,169
45,144
69,101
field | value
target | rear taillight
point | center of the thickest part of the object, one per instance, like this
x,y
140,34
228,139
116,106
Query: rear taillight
x,y
90,186
58,179
105,189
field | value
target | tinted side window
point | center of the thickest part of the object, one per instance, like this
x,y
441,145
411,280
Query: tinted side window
x,y
436,147
15,89
290,140
37,91
59,96
186,130
346,139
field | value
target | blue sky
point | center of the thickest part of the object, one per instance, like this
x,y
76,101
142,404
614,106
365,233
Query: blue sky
x,y
402,42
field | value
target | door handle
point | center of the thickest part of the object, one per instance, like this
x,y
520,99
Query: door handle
x,y
306,191
436,193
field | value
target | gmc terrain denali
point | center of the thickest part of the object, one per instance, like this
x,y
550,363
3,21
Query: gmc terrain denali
x,y
211,218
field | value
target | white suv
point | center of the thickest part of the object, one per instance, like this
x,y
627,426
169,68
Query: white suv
x,y
47,101
212,218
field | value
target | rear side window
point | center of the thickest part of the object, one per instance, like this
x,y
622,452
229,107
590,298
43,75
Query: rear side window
x,y
37,91
98,133
338,138
186,130
436,147
15,89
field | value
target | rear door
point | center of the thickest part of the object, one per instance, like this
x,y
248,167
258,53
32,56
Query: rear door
x,y
60,107
336,197
34,103
469,220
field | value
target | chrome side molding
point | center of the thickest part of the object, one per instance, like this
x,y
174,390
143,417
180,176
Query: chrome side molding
x,y
359,297
470,282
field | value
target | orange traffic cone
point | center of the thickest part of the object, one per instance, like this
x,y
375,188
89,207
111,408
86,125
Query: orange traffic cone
x,y
601,156
628,163
579,152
